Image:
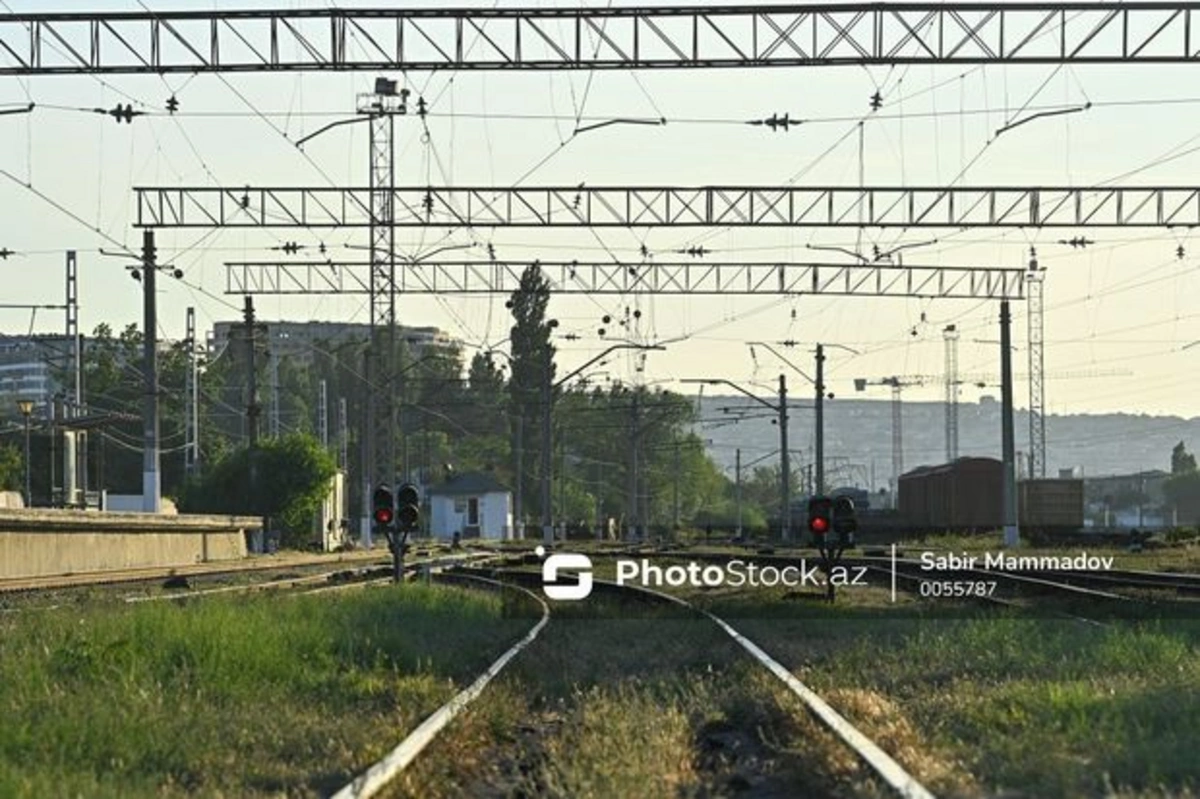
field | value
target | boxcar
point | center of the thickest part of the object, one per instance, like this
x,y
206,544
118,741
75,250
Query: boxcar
x,y
963,496
1050,506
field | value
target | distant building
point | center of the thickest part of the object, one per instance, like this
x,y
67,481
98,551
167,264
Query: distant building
x,y
299,340
27,370
473,504
1127,500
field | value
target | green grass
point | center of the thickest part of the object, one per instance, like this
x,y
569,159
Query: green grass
x,y
620,700
237,696
1039,707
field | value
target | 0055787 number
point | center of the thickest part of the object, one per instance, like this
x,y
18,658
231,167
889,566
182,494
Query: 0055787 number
x,y
957,588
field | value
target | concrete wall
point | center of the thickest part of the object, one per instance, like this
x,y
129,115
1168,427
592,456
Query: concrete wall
x,y
43,542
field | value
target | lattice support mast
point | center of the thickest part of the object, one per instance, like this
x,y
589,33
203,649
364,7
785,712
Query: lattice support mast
x,y
382,107
191,396
951,381
1037,371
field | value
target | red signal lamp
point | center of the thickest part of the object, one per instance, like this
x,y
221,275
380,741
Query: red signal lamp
x,y
383,515
819,525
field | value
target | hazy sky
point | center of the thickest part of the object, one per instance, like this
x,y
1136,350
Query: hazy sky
x,y
1124,304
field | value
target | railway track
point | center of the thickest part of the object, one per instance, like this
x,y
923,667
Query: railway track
x,y
381,773
255,564
366,569
319,583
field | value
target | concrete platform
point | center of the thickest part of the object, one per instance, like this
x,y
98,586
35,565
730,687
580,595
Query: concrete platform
x,y
44,542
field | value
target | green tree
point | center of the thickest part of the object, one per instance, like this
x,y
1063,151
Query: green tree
x,y
1181,460
12,468
284,478
485,396
532,368
1182,491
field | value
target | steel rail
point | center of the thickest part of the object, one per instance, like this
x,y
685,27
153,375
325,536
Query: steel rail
x,y
883,764
377,776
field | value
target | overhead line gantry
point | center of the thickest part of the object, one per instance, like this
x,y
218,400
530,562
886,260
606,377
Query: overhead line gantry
x,y
676,206
646,37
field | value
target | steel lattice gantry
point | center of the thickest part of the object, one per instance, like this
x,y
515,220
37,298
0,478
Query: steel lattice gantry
x,y
599,38
653,206
573,277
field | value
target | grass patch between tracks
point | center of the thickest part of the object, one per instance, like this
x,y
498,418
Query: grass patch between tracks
x,y
238,696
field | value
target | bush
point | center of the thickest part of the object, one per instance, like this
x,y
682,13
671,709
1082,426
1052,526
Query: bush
x,y
284,478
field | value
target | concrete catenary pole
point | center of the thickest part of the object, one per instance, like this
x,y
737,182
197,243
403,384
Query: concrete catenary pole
x,y
785,466
1008,442
819,488
738,475
151,478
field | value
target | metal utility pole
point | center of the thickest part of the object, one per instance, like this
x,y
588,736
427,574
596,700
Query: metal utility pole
x,y
343,436
737,469
1037,370
27,408
273,355
151,478
323,415
897,434
599,508
634,437
820,413
1008,443
785,462
950,337
547,443
191,396
518,498
76,343
562,484
253,409
675,514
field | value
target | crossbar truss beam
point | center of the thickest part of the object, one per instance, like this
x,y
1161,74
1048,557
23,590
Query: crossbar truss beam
x,y
674,206
484,277
599,38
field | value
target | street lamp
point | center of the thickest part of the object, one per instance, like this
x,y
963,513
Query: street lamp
x,y
26,408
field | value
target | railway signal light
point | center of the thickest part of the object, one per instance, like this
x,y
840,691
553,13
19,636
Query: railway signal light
x,y
384,506
820,517
845,520
408,508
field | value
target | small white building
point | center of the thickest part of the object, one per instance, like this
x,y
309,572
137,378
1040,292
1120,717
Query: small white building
x,y
473,504
330,520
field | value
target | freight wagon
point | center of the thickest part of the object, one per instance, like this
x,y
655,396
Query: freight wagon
x,y
967,496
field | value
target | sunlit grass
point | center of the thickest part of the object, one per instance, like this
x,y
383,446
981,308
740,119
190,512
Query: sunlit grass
x,y
1041,707
239,696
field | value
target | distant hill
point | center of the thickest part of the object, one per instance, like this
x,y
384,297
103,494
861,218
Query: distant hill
x,y
858,433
